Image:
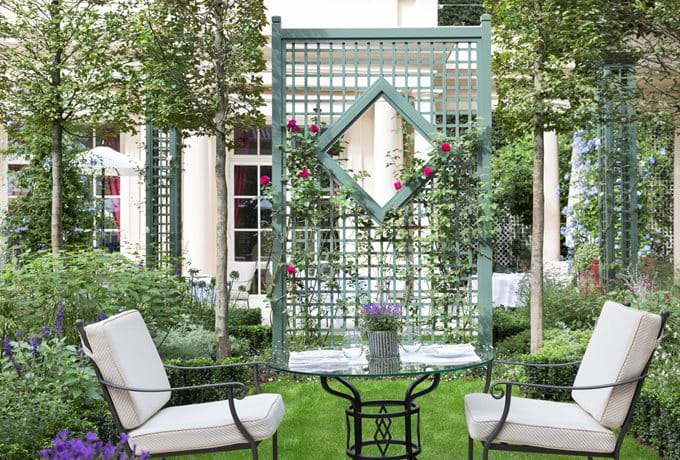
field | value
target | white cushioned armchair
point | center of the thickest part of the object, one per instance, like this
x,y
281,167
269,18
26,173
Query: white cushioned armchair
x,y
137,390
607,385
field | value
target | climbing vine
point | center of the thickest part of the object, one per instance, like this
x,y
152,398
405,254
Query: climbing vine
x,y
433,238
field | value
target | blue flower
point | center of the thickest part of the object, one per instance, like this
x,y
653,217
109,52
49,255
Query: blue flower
x,y
651,160
59,319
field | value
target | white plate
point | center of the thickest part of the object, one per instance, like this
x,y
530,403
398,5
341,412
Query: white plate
x,y
448,353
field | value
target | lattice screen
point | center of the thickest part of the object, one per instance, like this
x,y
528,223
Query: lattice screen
x,y
163,198
444,73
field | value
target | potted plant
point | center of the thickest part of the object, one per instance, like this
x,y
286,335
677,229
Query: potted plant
x,y
381,321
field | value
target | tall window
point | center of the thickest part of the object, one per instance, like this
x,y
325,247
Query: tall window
x,y
251,214
108,221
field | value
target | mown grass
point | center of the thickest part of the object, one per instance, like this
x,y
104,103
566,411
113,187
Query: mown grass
x,y
314,424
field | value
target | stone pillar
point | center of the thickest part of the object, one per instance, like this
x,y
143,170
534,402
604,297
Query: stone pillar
x,y
551,183
386,138
676,205
132,198
196,222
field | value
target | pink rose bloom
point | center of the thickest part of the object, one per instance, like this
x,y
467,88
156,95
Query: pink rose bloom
x,y
291,124
397,185
296,129
427,171
304,173
290,269
446,147
313,128
264,180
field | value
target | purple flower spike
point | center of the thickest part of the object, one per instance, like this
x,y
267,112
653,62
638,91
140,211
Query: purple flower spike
x,y
59,319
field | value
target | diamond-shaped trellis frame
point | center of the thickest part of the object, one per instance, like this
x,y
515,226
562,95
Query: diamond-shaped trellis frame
x,y
320,75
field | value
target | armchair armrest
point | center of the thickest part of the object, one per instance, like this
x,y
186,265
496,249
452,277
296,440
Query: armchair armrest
x,y
255,365
520,363
498,393
230,398
230,387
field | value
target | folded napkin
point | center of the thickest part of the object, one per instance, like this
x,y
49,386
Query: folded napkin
x,y
323,360
442,355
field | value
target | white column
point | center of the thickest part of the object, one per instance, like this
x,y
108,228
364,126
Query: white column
x,y
132,197
196,221
386,138
676,205
551,183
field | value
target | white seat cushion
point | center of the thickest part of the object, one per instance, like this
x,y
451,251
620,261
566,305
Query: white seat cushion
x,y
126,355
531,422
622,342
208,425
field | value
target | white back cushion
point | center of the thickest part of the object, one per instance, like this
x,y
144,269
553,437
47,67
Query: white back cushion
x,y
126,355
622,342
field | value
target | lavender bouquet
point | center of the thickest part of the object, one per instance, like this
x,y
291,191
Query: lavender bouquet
x,y
90,447
381,316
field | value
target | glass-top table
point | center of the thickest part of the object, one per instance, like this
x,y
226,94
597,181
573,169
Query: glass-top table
x,y
424,366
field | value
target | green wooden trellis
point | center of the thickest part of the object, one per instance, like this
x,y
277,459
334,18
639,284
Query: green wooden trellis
x,y
163,198
438,80
618,176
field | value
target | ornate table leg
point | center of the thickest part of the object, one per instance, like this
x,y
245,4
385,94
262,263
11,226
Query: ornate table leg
x,y
382,438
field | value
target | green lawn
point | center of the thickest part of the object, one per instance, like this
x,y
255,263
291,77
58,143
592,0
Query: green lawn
x,y
314,425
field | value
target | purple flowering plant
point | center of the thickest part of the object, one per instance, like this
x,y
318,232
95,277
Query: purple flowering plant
x,y
89,447
381,316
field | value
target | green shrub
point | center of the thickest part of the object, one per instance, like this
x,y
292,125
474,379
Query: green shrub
x,y
181,378
245,317
187,344
560,346
656,423
509,322
86,282
514,346
45,386
259,337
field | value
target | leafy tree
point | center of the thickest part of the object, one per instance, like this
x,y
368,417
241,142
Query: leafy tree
x,y
546,69
26,225
201,60
65,63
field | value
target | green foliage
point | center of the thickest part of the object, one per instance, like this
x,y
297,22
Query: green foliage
x,y
514,345
26,225
512,166
185,70
460,12
245,316
57,64
584,255
195,342
508,322
656,423
86,282
560,346
182,378
258,338
46,386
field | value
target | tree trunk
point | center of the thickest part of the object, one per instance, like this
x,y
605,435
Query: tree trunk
x,y
221,249
57,186
676,205
57,132
537,226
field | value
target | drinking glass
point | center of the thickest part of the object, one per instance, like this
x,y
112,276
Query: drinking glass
x,y
411,337
352,345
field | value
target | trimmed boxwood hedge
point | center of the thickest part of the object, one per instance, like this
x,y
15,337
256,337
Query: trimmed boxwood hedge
x,y
259,337
184,378
657,423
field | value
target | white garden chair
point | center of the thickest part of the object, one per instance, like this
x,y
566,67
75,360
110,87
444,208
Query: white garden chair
x,y
604,392
137,389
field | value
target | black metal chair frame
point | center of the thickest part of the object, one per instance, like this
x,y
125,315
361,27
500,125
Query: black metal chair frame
x,y
503,388
250,443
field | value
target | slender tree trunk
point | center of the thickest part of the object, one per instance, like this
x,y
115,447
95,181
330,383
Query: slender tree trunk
x,y
57,186
537,227
538,216
57,132
676,204
221,249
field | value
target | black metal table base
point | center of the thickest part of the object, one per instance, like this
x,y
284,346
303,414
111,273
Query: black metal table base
x,y
382,413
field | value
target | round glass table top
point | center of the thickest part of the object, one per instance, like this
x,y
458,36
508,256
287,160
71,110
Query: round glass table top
x,y
338,362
